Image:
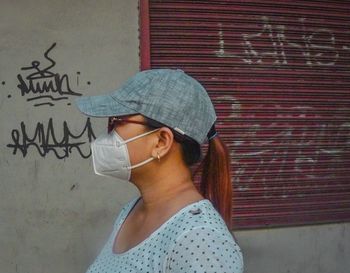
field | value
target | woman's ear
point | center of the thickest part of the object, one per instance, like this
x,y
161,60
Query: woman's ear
x,y
164,141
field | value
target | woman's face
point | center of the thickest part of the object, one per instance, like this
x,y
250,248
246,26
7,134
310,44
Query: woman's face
x,y
139,149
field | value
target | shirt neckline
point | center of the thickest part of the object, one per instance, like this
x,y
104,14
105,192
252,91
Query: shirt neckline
x,y
154,233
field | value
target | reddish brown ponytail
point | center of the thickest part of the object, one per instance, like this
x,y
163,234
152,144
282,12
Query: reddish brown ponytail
x,y
216,179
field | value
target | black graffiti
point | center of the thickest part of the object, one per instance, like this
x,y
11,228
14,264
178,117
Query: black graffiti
x,y
43,81
45,140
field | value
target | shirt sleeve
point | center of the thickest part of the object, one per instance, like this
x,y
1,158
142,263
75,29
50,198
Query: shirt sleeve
x,y
205,249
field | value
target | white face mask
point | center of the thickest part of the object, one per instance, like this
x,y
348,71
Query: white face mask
x,y
110,155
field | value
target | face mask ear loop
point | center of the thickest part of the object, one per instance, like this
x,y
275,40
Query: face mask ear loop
x,y
140,164
136,137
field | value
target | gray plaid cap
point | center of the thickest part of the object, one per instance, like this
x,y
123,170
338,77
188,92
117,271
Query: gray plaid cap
x,y
169,96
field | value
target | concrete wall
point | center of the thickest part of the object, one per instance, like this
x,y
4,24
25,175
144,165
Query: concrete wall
x,y
55,214
306,249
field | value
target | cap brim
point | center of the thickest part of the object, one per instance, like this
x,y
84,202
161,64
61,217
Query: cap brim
x,y
102,106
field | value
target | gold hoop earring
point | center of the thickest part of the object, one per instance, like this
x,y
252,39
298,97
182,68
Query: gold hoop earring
x,y
158,156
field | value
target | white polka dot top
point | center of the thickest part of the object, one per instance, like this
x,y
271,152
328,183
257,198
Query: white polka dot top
x,y
194,240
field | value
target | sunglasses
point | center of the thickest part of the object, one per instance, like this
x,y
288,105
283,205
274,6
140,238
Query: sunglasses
x,y
116,121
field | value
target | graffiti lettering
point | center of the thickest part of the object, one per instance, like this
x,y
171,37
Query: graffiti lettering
x,y
43,81
271,45
45,140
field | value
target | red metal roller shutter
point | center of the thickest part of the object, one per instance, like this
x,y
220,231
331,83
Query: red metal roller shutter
x,y
278,74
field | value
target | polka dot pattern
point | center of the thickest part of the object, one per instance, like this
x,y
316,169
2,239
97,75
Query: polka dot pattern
x,y
193,240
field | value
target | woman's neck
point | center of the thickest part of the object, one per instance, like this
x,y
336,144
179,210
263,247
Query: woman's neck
x,y
165,186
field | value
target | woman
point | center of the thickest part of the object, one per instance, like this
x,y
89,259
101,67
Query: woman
x,y
157,121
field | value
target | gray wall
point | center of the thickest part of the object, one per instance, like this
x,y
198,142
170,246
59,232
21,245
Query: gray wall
x,y
55,214
307,249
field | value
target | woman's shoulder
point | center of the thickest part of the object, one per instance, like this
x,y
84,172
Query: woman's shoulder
x,y
202,213
202,235
199,219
